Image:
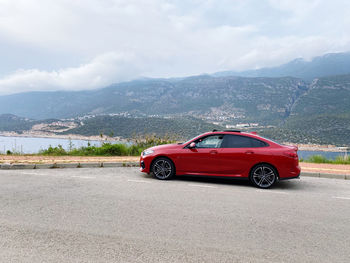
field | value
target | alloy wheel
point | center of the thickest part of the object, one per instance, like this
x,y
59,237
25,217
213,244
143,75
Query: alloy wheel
x,y
162,169
263,176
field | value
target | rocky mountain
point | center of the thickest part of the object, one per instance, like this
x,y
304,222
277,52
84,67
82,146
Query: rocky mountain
x,y
217,99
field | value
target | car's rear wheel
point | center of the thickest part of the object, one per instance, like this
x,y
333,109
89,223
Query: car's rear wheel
x,y
163,168
263,175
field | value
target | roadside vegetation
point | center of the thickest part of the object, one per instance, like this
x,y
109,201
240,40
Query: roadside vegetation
x,y
136,146
341,159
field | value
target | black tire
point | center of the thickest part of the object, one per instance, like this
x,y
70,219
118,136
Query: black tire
x,y
263,176
163,168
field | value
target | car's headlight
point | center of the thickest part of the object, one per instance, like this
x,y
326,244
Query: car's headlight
x,y
147,152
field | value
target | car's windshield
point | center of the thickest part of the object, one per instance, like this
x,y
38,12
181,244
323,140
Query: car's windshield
x,y
190,140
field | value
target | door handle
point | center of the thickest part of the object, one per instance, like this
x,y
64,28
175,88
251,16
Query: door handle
x,y
213,152
249,152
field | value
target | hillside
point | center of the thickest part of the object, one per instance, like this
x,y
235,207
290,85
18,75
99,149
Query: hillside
x,y
115,126
329,95
234,99
181,128
10,122
322,66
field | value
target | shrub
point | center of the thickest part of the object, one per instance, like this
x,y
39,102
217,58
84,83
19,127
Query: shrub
x,y
341,159
317,159
108,149
54,151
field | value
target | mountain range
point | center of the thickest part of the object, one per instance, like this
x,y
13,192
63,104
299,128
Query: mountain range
x,y
303,101
322,66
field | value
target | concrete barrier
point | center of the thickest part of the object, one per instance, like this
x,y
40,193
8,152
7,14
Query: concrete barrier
x,y
325,175
22,166
5,166
90,165
65,165
107,165
44,166
132,164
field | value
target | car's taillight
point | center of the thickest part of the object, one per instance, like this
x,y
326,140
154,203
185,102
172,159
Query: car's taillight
x,y
291,154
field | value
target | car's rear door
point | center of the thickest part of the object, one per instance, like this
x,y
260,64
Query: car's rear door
x,y
238,153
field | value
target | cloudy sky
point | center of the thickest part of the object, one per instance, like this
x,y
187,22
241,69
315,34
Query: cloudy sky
x,y
86,44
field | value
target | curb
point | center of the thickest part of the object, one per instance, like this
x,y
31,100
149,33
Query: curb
x,y
7,166
324,175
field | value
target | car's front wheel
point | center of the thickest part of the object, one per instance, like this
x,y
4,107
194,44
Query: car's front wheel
x,y
263,175
163,168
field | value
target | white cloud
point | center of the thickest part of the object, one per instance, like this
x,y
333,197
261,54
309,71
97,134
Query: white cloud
x,y
117,40
101,71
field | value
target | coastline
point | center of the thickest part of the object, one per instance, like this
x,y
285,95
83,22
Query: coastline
x,y
58,136
322,148
35,134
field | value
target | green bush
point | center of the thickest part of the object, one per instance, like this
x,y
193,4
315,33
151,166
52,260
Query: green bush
x,y
54,151
341,159
317,159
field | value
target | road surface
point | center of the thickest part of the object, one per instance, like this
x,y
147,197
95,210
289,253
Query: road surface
x,y
121,215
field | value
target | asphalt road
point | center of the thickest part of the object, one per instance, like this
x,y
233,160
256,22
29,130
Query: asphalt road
x,y
121,215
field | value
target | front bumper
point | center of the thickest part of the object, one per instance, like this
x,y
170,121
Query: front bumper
x,y
145,164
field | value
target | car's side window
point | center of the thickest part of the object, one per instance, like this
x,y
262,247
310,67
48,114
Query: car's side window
x,y
238,141
213,141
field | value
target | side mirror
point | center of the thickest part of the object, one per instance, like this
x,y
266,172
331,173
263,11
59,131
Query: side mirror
x,y
192,145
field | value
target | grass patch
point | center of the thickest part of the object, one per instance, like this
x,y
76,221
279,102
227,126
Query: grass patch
x,y
109,149
341,159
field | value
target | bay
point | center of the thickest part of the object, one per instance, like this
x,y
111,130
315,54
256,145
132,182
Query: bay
x,y
27,145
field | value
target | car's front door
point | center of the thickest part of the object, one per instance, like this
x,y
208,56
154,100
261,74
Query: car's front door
x,y
203,158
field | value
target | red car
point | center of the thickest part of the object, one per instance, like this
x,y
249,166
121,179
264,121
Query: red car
x,y
224,154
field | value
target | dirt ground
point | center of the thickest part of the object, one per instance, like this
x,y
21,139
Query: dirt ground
x,y
326,168
306,167
65,159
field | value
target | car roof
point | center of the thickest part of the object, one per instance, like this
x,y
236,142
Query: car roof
x,y
237,132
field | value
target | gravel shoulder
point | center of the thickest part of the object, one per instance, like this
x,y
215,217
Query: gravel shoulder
x,y
38,159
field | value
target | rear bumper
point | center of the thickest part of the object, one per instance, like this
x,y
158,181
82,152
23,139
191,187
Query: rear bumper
x,y
290,173
288,178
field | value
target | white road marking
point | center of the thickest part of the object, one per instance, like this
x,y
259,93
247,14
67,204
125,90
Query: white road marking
x,y
341,197
273,192
200,185
83,177
138,181
41,174
27,173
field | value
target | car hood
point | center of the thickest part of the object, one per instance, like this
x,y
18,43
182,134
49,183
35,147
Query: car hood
x,y
166,146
